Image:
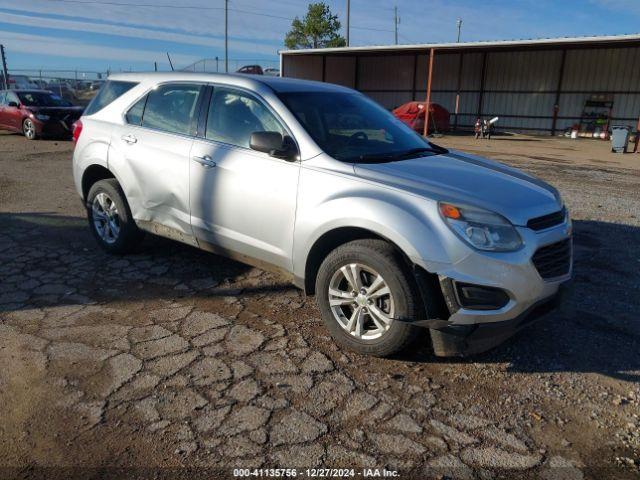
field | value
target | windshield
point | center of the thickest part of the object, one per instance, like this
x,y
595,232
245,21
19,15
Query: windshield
x,y
42,99
352,128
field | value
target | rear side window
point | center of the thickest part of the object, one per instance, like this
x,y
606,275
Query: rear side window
x,y
107,94
134,115
171,108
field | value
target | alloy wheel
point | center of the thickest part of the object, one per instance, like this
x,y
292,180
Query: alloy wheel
x,y
106,219
361,301
29,129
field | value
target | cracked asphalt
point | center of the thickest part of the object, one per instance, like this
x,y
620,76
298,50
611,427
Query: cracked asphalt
x,y
175,363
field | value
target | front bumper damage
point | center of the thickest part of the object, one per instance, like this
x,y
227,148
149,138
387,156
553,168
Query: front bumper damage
x,y
465,340
451,339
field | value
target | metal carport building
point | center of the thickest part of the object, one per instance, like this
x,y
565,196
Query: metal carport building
x,y
532,85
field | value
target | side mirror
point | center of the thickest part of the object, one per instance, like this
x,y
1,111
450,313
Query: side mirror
x,y
274,144
12,104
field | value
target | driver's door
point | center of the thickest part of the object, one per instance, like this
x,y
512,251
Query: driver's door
x,y
242,200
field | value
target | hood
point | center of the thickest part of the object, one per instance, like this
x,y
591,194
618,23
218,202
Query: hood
x,y
469,180
71,109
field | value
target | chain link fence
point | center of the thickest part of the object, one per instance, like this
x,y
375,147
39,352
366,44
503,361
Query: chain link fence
x,y
80,86
216,64
77,86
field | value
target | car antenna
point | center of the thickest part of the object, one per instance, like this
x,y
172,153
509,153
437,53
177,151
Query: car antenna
x,y
170,62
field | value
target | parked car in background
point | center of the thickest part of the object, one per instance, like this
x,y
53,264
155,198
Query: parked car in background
x,y
62,89
95,85
40,84
412,114
20,81
37,113
274,72
251,69
391,233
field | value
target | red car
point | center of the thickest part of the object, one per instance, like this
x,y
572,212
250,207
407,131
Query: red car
x,y
37,113
412,113
251,70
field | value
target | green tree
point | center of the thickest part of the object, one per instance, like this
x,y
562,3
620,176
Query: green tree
x,y
318,29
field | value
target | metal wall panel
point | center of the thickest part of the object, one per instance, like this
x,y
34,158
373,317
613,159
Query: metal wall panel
x,y
390,100
607,69
471,71
523,71
341,70
386,72
308,67
520,87
445,72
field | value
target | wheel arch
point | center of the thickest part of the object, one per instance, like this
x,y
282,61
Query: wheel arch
x,y
92,174
331,240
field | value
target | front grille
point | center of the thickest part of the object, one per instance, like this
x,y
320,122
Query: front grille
x,y
547,221
553,260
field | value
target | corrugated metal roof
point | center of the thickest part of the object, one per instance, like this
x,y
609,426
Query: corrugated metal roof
x,y
541,42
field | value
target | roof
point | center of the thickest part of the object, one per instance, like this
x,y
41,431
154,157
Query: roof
x,y
277,84
611,40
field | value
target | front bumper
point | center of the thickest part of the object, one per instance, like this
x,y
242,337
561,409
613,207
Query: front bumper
x,y
466,340
465,331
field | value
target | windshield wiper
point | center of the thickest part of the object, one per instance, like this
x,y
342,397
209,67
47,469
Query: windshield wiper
x,y
414,152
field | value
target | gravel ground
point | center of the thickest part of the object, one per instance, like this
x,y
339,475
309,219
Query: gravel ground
x,y
174,363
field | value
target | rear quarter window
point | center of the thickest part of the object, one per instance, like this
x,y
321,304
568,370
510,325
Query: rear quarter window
x,y
110,91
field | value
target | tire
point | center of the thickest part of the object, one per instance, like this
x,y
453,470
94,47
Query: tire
x,y
29,129
372,259
114,229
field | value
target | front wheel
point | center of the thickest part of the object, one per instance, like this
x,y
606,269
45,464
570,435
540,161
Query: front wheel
x,y
110,218
29,129
368,299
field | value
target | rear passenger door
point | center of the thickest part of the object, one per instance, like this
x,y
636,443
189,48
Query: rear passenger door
x,y
153,148
242,200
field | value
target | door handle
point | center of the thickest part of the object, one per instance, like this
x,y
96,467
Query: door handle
x,y
205,160
129,139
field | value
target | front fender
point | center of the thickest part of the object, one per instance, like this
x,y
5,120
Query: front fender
x,y
410,222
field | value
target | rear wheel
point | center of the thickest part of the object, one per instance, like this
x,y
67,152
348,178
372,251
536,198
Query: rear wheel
x,y
29,129
367,298
110,218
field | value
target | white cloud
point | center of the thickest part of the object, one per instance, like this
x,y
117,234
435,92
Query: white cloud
x,y
125,31
68,47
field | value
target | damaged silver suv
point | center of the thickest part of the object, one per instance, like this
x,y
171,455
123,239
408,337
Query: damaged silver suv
x,y
394,235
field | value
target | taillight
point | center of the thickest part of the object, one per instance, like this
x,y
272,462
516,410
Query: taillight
x,y
76,130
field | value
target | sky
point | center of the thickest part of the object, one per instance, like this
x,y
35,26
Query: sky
x,y
96,35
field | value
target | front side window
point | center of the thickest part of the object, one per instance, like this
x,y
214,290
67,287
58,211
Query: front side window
x,y
3,95
233,116
107,94
171,108
352,128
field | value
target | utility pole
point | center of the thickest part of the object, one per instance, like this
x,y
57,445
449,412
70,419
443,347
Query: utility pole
x,y
5,76
459,25
348,14
396,21
226,36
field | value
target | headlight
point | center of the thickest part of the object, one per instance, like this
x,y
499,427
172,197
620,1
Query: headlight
x,y
482,229
43,117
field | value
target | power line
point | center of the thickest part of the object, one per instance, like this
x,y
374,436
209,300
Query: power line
x,y
193,7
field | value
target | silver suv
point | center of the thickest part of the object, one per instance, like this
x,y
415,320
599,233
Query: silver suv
x,y
394,235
